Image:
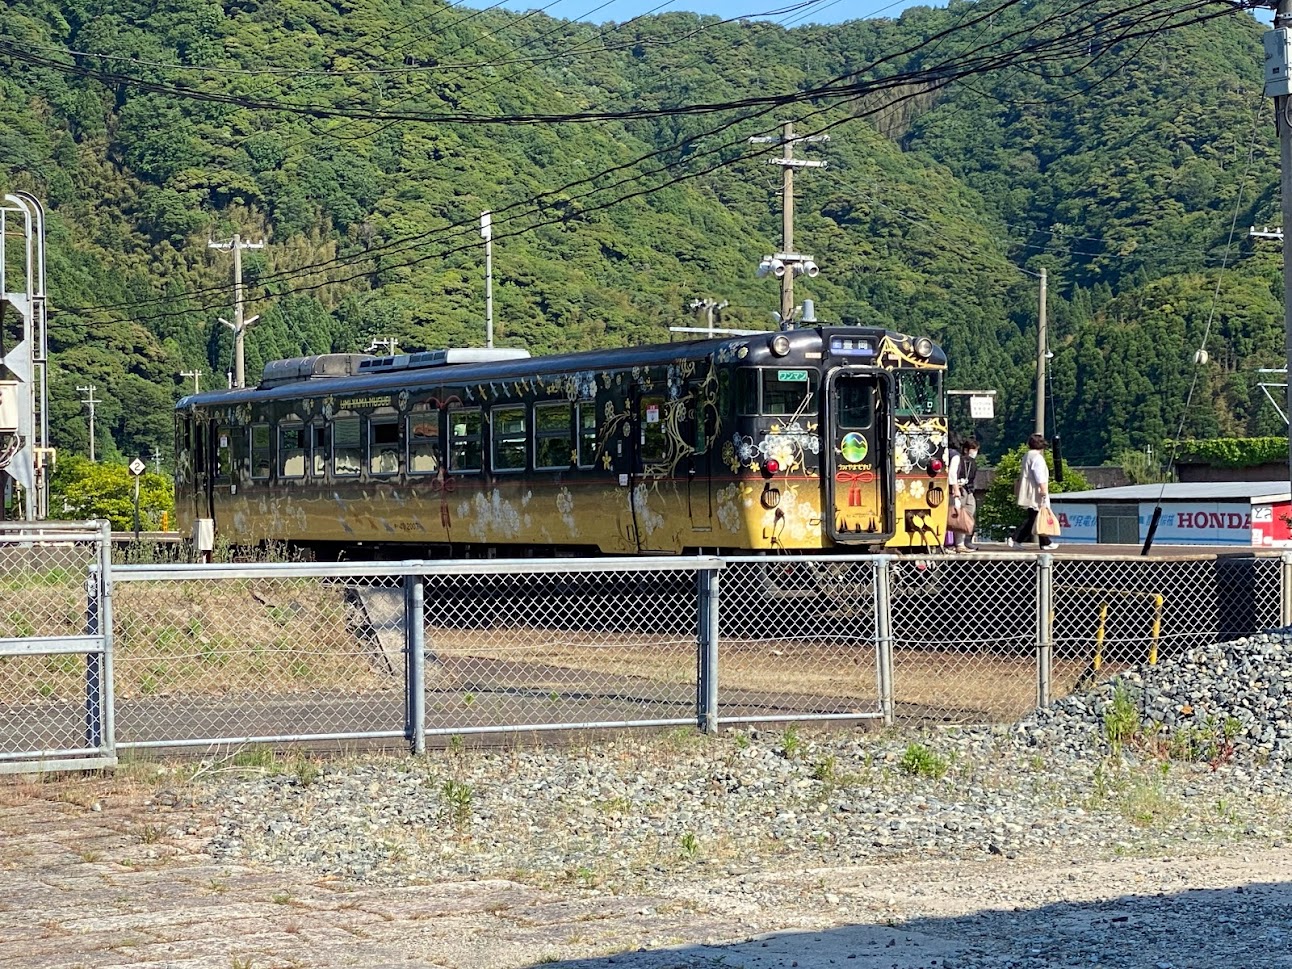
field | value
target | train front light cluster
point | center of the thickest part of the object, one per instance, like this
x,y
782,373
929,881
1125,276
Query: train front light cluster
x,y
779,345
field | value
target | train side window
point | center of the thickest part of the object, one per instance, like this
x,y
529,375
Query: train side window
x,y
510,436
654,443
788,391
424,441
319,449
383,445
347,446
553,443
747,404
224,453
464,440
261,459
292,442
587,435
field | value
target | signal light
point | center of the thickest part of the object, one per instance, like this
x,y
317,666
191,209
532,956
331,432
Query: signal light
x,y
772,466
935,465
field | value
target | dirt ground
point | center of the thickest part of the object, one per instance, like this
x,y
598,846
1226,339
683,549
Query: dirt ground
x,y
104,873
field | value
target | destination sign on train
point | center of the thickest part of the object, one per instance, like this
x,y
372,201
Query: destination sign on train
x,y
858,346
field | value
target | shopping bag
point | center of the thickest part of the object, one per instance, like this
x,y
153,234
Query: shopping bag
x,y
960,521
1047,522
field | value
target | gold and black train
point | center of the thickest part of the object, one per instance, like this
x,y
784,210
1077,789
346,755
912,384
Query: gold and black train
x,y
820,438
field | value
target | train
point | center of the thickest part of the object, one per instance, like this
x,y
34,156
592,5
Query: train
x,y
814,438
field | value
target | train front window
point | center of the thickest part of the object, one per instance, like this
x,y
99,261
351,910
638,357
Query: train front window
x,y
292,443
510,436
919,393
464,440
424,441
553,444
776,391
347,447
856,404
788,391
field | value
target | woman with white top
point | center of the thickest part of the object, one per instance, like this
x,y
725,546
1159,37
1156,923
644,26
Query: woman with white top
x,y
1033,492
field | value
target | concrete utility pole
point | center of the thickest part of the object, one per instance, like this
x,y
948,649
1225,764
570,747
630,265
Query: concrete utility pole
x,y
788,264
157,458
239,325
486,233
89,401
707,307
197,379
1278,85
389,344
1041,354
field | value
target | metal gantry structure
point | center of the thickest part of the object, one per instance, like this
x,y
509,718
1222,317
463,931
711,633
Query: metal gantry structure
x,y
25,454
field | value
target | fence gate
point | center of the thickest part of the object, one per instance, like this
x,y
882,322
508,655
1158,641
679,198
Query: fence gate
x,y
55,655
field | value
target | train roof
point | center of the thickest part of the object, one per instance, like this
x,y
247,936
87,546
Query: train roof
x,y
358,373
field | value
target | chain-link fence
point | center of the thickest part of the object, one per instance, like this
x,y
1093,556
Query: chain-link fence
x,y
53,655
281,653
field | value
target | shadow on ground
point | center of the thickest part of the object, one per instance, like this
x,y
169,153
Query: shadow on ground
x,y
1200,929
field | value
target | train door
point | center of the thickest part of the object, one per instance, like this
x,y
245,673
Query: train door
x,y
857,467
203,470
650,447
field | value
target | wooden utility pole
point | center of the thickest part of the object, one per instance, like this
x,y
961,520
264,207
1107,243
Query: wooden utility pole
x,y
788,263
239,325
1041,353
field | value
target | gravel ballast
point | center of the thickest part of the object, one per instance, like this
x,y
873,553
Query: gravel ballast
x,y
1188,759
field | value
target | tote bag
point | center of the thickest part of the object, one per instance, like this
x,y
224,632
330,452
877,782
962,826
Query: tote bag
x,y
1047,522
959,520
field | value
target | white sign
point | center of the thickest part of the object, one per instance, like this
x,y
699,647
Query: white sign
x,y
1200,523
137,467
982,407
1078,521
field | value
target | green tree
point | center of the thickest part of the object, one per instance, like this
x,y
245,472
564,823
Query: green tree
x,y
80,490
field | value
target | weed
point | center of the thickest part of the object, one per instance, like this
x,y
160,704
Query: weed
x,y
150,834
791,743
281,898
690,845
919,761
259,756
553,697
826,769
306,770
89,856
457,798
240,963
217,886
1121,719
741,740
469,698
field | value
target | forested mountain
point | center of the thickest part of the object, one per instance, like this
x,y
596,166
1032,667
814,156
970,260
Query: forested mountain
x,y
1114,143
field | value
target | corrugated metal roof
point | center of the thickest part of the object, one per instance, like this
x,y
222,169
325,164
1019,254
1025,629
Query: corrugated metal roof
x,y
1184,491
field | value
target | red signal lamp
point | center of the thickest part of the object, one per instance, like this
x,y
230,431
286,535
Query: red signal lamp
x,y
935,465
771,466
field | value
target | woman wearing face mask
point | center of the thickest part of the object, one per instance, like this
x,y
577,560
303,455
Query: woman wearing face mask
x,y
962,488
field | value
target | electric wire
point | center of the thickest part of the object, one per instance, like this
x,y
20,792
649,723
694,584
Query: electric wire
x,y
313,270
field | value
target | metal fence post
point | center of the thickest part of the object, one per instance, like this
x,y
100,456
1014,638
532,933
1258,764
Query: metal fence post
x,y
706,683
1285,589
1044,627
93,662
107,690
415,662
884,635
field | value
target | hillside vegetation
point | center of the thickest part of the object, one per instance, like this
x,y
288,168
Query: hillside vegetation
x,y
1119,166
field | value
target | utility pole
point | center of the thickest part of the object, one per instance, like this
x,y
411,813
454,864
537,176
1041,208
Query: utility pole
x,y
239,325
1278,85
788,264
486,233
1041,354
197,379
389,344
157,458
707,307
89,401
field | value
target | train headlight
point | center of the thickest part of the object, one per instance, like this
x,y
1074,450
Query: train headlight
x,y
780,344
924,347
